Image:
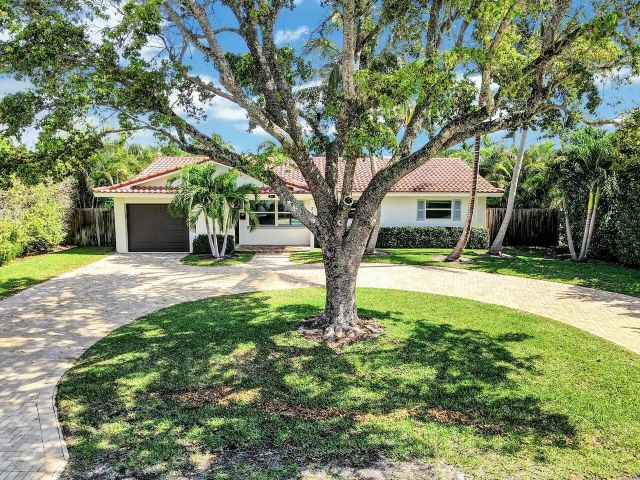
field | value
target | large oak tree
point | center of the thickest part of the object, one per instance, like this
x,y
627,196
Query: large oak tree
x,y
406,77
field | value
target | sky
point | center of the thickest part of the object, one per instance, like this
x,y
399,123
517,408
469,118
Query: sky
x,y
294,28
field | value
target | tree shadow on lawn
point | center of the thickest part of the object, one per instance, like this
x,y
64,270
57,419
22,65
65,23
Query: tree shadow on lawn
x,y
228,380
16,284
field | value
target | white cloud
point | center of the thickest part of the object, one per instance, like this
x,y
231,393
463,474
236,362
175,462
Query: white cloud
x,y
618,76
310,84
153,49
216,107
143,137
224,109
11,85
97,26
283,36
258,131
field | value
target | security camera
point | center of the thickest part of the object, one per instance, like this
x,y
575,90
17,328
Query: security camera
x,y
348,200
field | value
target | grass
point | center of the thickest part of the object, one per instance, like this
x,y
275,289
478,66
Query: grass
x,y
532,263
25,272
208,261
226,386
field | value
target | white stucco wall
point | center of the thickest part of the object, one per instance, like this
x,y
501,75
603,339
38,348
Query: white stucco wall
x,y
401,211
398,210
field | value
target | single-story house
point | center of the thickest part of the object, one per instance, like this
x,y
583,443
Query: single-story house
x,y
435,194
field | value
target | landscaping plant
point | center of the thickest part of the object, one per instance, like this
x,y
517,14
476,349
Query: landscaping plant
x,y
582,168
204,191
33,218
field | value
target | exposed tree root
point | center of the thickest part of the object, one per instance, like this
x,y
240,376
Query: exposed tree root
x,y
497,255
336,335
377,253
443,258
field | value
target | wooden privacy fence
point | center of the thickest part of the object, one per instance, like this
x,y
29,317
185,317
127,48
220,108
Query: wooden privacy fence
x,y
91,227
530,227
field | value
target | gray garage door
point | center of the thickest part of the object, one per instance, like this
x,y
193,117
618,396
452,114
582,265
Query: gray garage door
x,y
152,229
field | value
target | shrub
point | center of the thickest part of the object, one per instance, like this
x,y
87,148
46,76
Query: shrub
x,y
617,234
430,237
33,218
201,244
12,240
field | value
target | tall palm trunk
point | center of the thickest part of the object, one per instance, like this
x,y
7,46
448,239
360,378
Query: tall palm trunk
x,y
584,250
226,234
496,246
213,241
567,226
456,253
587,225
373,238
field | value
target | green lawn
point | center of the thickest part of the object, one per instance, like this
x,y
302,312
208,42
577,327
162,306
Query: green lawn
x,y
533,263
209,261
25,272
227,385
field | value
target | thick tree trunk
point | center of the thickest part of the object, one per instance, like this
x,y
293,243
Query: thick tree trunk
x,y
567,226
373,238
456,253
341,270
496,246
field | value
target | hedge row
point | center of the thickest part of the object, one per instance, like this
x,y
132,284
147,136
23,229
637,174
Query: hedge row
x,y
430,237
201,244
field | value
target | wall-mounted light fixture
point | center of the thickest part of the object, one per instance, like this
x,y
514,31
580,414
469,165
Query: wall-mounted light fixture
x,y
271,195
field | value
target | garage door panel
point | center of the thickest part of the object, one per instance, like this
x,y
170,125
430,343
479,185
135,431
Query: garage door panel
x,y
152,229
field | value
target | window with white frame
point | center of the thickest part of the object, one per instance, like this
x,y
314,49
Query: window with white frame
x,y
439,209
271,213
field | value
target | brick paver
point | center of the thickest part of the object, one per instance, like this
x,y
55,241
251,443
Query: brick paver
x,y
45,328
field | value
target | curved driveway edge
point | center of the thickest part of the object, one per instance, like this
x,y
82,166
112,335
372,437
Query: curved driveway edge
x,y
45,328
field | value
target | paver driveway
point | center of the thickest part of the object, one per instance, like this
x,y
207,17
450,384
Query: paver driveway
x,y
45,328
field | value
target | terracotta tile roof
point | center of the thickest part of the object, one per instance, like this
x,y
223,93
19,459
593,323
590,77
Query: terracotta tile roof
x,y
160,166
142,189
438,175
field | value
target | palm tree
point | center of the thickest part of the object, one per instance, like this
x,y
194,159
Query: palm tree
x,y
215,196
456,253
584,163
113,163
236,198
496,246
198,195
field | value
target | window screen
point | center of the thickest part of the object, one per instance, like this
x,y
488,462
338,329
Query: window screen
x,y
456,212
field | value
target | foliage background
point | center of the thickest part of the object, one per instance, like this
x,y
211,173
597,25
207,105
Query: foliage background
x,y
33,218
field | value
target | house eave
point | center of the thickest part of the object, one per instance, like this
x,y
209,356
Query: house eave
x,y
299,195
